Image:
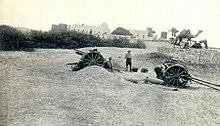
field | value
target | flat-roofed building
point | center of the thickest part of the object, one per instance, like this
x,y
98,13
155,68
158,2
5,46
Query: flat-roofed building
x,y
99,31
59,28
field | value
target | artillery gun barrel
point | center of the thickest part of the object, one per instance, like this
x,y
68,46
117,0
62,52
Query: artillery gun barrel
x,y
71,63
79,52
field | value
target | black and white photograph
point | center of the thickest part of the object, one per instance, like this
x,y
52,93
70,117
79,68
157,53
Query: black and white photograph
x,y
109,63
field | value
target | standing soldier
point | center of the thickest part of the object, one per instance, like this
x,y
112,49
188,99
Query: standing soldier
x,y
128,60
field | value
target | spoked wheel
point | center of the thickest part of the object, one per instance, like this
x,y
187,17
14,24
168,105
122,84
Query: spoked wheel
x,y
176,75
92,58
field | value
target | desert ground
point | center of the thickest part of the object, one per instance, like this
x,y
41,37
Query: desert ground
x,y
39,89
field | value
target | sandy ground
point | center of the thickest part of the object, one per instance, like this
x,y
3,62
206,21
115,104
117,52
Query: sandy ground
x,y
37,89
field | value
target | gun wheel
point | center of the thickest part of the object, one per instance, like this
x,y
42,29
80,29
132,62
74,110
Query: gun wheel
x,y
92,58
176,75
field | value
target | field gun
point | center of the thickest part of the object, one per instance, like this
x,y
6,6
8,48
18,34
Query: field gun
x,y
177,75
93,57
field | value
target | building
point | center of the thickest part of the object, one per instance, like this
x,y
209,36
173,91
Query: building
x,y
113,36
59,27
98,31
147,34
139,34
103,31
150,30
163,35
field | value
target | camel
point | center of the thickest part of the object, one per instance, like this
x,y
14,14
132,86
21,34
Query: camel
x,y
186,34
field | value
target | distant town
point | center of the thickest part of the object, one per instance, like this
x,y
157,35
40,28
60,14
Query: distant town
x,y
103,31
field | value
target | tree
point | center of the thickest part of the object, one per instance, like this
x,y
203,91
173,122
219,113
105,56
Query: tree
x,y
13,39
121,31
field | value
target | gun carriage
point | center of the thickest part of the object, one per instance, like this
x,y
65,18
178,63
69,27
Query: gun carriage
x,y
93,57
173,73
177,75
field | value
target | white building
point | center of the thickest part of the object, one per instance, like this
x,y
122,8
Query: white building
x,y
147,34
99,31
113,36
139,34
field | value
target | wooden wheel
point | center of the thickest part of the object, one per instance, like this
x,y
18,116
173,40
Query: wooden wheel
x,y
176,75
92,58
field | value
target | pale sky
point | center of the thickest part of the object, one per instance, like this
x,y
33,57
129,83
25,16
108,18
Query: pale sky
x,y
130,14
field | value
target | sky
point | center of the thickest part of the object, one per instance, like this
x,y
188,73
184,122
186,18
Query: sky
x,y
161,15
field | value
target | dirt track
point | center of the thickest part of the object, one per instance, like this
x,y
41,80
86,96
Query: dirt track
x,y
37,88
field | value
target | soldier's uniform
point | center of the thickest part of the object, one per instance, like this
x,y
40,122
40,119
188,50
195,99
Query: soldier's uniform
x,y
159,70
108,64
128,60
